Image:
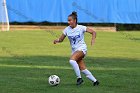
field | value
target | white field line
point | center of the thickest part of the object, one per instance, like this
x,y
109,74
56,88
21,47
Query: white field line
x,y
62,67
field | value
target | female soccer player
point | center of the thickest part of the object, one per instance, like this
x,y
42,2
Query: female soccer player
x,y
75,34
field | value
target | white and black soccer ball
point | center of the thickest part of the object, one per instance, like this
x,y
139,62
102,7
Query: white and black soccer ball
x,y
54,80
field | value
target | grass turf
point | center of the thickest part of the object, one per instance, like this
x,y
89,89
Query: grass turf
x,y
28,58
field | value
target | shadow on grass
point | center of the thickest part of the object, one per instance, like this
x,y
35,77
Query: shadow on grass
x,y
59,62
30,74
137,39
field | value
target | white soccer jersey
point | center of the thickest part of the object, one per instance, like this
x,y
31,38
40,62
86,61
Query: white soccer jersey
x,y
76,37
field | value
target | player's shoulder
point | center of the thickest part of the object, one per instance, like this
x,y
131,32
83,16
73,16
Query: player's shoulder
x,y
67,28
81,26
65,31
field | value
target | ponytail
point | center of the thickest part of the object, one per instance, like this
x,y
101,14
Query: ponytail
x,y
73,15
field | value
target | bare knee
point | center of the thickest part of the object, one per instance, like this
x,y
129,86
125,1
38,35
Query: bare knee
x,y
73,57
82,67
78,55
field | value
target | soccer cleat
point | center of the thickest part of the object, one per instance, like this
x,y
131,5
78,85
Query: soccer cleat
x,y
96,83
79,81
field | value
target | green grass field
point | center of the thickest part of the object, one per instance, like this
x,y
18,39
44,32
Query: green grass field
x,y
28,58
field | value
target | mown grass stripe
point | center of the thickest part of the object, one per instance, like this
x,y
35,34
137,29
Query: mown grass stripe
x,y
62,67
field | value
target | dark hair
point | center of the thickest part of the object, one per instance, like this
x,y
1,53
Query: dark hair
x,y
73,15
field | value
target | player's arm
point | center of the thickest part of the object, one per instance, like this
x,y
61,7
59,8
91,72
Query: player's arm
x,y
93,33
62,37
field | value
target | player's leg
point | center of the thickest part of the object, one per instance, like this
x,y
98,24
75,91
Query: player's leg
x,y
76,56
87,72
81,64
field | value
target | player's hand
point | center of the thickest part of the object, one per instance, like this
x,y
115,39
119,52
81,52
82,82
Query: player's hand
x,y
56,41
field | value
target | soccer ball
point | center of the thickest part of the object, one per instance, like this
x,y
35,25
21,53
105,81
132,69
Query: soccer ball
x,y
54,80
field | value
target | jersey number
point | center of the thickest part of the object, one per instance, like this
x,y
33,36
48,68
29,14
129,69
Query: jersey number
x,y
74,38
